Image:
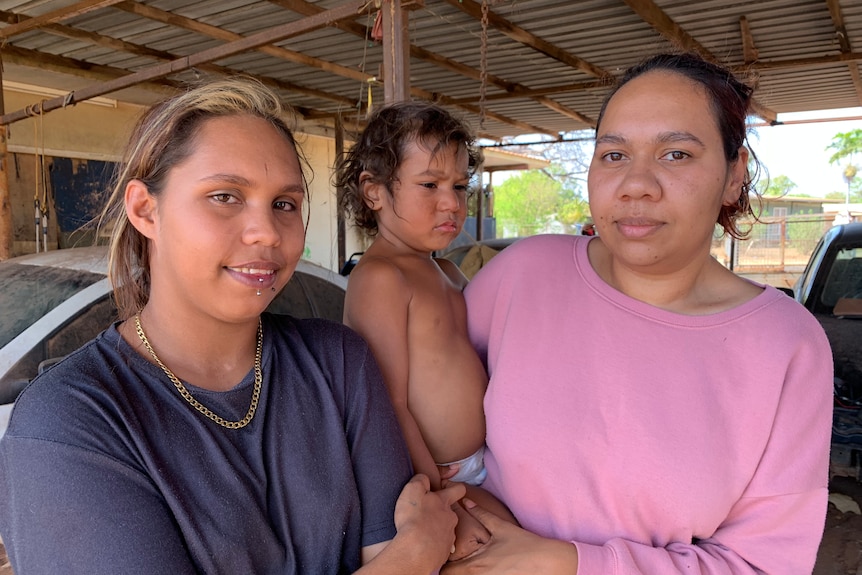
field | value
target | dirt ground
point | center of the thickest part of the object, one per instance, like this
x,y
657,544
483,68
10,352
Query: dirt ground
x,y
840,552
841,549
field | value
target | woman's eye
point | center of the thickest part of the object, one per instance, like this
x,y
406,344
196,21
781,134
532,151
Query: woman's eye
x,y
613,156
676,155
222,198
284,205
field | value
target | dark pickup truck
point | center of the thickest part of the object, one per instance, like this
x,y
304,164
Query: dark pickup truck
x,y
831,288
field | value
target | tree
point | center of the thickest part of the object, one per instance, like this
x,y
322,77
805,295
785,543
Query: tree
x,y
570,156
526,203
847,146
779,186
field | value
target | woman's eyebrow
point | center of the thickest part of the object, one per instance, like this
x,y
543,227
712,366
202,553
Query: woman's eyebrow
x,y
227,179
241,181
667,137
611,139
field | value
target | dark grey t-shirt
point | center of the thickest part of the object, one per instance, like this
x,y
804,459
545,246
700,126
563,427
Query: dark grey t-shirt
x,y
106,470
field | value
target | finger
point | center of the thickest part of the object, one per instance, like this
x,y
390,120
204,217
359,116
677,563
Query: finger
x,y
452,493
420,482
490,520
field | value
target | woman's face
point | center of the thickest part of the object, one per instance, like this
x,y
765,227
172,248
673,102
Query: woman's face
x,y
229,220
659,177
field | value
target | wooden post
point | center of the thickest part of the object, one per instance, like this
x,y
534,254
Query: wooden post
x,y
5,197
396,52
340,226
783,243
480,206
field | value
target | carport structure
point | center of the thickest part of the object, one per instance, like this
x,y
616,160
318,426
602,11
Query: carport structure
x,y
511,67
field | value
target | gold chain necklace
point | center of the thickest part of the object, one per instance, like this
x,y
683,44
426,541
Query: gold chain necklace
x,y
255,396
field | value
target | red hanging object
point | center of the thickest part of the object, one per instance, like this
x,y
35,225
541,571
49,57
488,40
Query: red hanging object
x,y
377,28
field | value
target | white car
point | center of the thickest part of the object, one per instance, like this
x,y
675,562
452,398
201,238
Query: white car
x,y
53,302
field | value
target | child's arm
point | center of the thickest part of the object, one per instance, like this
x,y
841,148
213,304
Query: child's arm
x,y
376,306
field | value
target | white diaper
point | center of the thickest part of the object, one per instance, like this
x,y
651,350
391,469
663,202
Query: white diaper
x,y
472,471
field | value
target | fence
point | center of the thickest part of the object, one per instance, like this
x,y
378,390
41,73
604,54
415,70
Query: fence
x,y
775,244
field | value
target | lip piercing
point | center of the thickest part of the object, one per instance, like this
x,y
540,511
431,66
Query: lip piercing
x,y
258,289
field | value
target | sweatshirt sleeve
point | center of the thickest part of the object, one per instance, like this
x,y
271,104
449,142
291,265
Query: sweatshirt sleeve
x,y
777,525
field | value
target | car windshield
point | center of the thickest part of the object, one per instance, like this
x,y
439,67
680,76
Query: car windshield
x,y
28,292
845,277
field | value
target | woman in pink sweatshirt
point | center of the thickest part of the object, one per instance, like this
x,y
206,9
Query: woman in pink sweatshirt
x,y
648,410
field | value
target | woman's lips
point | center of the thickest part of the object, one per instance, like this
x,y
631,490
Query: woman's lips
x,y
254,277
637,227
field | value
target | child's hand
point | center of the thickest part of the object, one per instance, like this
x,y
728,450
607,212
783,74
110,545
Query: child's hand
x,y
470,534
447,472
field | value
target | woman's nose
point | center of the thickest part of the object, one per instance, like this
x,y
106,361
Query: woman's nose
x,y
639,181
261,228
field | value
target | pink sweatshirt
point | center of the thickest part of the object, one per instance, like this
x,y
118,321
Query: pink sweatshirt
x,y
655,442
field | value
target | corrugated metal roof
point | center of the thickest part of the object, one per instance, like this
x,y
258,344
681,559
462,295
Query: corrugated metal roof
x,y
545,80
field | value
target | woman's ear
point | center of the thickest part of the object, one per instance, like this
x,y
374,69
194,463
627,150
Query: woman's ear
x,y
141,208
737,176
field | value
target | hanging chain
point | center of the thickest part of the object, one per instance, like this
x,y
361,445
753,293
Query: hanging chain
x,y
483,64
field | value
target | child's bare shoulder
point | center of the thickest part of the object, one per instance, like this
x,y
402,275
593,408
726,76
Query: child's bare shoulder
x,y
378,271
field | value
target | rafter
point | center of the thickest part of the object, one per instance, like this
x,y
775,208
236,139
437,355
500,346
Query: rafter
x,y
55,16
749,50
307,8
653,15
77,68
227,36
844,43
246,43
160,55
521,35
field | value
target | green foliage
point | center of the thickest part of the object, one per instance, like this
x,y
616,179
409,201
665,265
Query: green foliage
x,y
779,186
804,234
846,145
525,204
855,193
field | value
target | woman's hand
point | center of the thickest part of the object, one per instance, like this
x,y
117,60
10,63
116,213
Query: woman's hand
x,y
514,551
427,517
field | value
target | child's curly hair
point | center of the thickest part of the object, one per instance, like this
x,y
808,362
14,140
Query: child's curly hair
x,y
380,148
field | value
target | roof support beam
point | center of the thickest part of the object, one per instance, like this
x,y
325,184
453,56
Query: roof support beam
x,y
346,10
70,66
54,16
227,36
518,34
159,55
844,43
749,50
653,15
396,52
307,8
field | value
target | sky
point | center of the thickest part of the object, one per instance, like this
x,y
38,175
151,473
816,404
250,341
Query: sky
x,y
798,151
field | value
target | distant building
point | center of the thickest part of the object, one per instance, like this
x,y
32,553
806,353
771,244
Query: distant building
x,y
783,206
